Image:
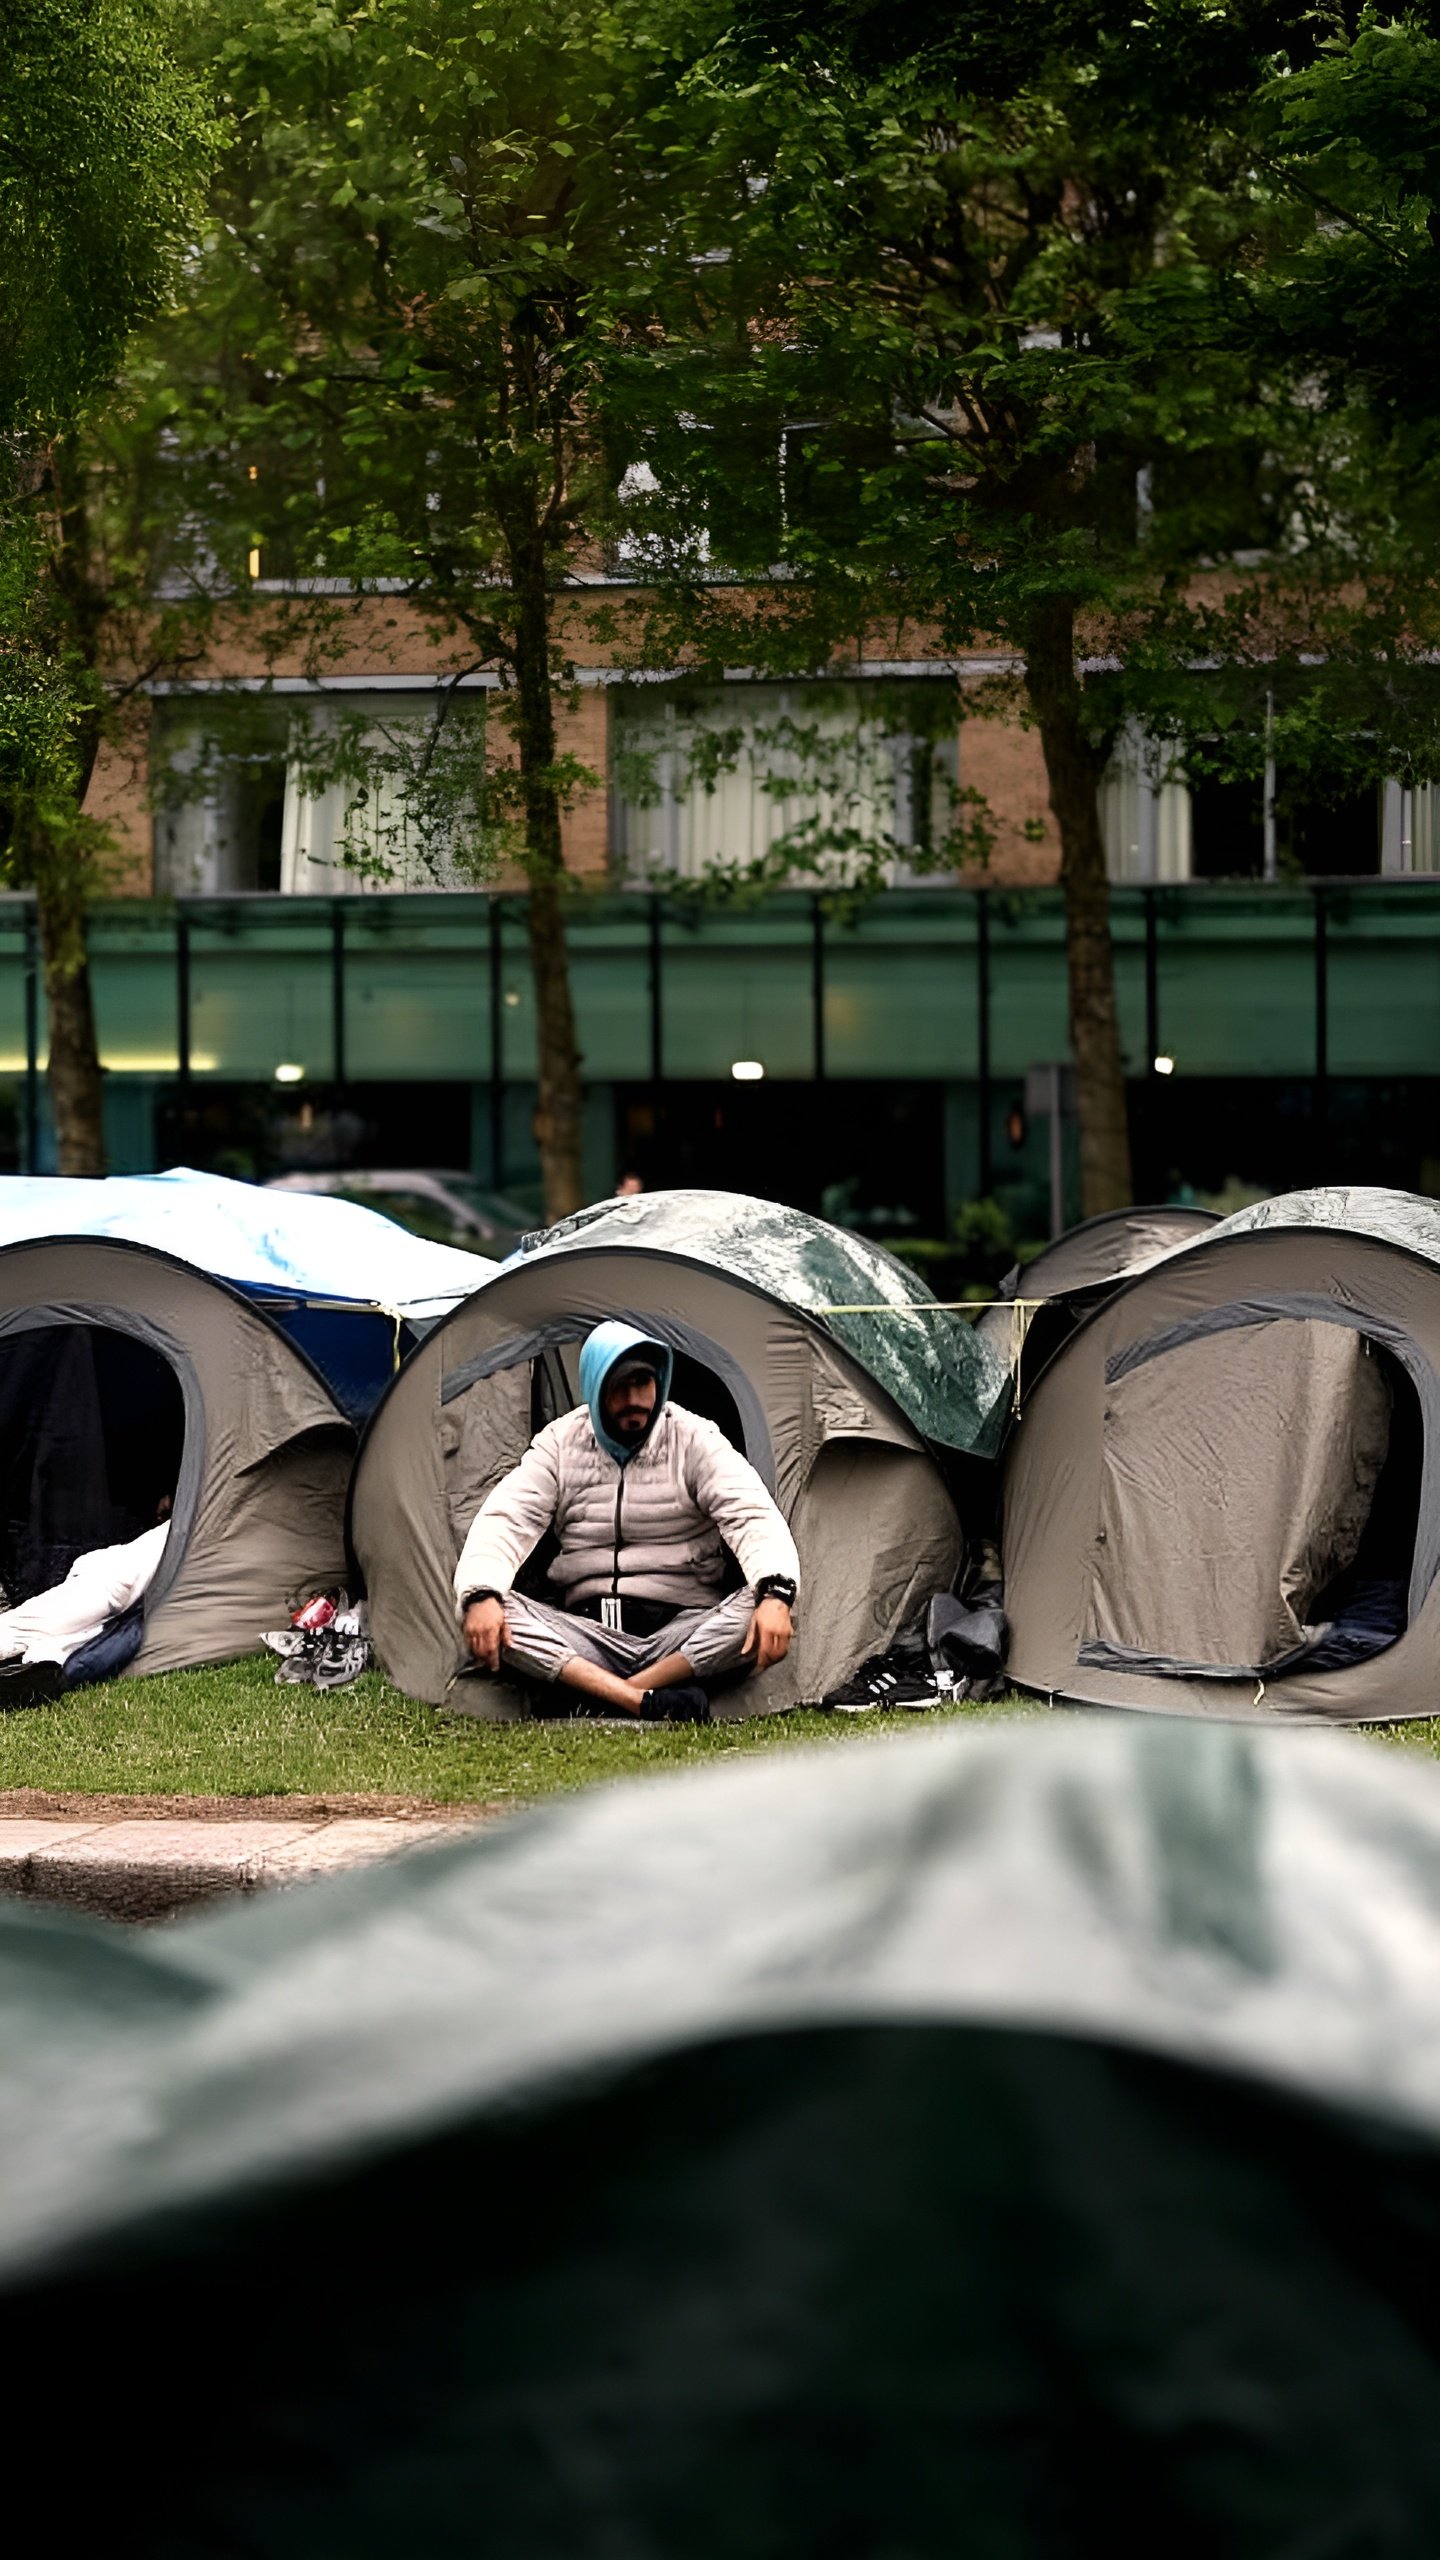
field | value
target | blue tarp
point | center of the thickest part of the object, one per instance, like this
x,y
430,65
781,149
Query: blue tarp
x,y
348,1285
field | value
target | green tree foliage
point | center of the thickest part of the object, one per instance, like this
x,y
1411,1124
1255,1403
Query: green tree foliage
x,y
100,141
1007,292
433,218
97,161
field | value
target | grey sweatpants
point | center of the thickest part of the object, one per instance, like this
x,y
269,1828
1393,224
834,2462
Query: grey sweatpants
x,y
543,1639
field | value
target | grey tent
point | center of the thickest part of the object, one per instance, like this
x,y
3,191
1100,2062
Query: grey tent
x,y
992,2142
1223,1493
126,1376
822,1358
1051,1293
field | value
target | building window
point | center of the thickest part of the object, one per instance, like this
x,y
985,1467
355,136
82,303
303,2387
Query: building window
x,y
323,796
219,801
1227,830
1410,827
1144,813
1333,837
1159,827
819,779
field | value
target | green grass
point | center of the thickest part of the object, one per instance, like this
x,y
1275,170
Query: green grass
x,y
229,1731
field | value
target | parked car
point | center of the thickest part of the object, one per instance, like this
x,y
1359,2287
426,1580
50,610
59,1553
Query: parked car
x,y
447,1207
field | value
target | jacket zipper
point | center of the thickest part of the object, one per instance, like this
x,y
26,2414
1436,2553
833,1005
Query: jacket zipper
x,y
615,1576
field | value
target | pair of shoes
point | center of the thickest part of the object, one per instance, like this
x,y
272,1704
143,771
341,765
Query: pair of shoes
x,y
686,1703
328,1657
30,1684
874,1688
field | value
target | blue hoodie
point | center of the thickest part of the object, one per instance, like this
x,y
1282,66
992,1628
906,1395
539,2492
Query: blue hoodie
x,y
609,1343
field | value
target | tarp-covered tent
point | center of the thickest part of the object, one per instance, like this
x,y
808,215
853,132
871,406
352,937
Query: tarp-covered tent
x,y
927,1358
823,1360
350,1287
126,1376
1223,1494
979,2143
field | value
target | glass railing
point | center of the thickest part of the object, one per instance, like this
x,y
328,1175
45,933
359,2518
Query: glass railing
x,y
1228,979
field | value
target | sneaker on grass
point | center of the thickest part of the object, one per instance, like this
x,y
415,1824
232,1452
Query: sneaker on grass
x,y
875,1686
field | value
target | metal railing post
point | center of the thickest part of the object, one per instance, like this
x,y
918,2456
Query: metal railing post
x,y
182,1008
497,1050
1322,1029
984,1098
337,995
32,1045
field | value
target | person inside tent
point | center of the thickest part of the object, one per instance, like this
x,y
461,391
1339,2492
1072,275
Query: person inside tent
x,y
84,1628
643,1499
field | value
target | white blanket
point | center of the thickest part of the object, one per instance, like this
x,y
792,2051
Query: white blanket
x,y
98,1586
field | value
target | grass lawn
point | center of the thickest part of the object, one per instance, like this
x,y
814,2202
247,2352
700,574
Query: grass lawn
x,y
230,1732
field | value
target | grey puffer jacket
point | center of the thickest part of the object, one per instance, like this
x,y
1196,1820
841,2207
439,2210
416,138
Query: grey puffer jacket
x,y
652,1529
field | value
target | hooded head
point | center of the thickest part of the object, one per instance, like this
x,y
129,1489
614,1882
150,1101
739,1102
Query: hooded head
x,y
611,1346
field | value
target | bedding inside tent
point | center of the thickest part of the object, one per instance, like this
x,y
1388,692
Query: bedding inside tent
x,y
1260,1498
92,1430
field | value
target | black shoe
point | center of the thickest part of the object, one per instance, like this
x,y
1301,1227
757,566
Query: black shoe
x,y
877,1686
686,1703
29,1684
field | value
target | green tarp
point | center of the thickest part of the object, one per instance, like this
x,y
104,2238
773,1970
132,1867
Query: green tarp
x,y
985,2143
950,1384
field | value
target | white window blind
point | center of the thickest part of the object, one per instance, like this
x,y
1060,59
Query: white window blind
x,y
387,822
1144,813
723,776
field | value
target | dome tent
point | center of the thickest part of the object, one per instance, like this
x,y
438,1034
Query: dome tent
x,y
834,1409
1070,1275
1223,1494
926,1357
126,1375
352,1288
968,2143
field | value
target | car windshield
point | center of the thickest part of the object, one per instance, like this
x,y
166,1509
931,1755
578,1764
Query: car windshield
x,y
422,1213
492,1206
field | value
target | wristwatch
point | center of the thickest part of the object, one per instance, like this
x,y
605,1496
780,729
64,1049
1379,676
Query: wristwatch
x,y
484,1593
777,1586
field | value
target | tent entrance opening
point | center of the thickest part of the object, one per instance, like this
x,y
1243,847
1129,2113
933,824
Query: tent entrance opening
x,y
92,1427
1258,1502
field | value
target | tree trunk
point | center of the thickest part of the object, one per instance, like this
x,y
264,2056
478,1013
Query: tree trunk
x,y
558,1108
76,1102
50,848
1073,766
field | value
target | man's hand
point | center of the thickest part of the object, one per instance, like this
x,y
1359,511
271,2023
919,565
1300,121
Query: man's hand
x,y
486,1632
771,1629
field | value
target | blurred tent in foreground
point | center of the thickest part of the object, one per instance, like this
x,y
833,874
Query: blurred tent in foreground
x,y
976,2142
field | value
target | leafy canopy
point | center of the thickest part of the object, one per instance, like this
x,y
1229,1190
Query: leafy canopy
x,y
101,141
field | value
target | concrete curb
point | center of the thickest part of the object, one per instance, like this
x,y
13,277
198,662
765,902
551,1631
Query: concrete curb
x,y
148,1870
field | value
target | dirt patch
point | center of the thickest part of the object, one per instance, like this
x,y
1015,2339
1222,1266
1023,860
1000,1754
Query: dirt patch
x,y
40,1804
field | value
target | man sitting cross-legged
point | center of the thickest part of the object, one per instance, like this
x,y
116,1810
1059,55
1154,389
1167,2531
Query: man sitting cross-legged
x,y
643,1499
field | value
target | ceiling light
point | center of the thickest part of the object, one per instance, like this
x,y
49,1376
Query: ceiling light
x,y
747,1071
1164,1065
289,1074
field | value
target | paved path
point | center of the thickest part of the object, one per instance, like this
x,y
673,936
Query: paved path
x,y
145,1870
